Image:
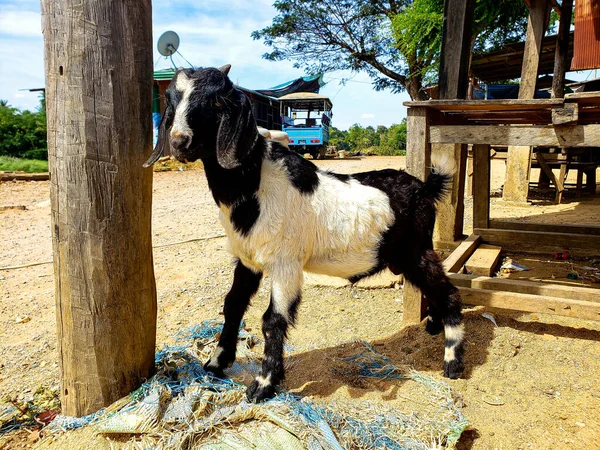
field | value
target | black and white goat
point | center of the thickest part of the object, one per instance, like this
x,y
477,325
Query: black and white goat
x,y
283,215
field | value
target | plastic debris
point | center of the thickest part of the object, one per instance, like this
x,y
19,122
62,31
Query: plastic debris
x,y
509,266
490,317
492,400
183,406
573,276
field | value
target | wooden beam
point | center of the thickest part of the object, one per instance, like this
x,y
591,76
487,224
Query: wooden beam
x,y
558,183
568,115
536,26
525,287
456,48
481,185
98,58
562,49
484,260
531,303
450,211
544,227
580,245
532,135
457,258
496,105
418,164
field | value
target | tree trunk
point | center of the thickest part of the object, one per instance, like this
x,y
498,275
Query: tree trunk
x,y
98,57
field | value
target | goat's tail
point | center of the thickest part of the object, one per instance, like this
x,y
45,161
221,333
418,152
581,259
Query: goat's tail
x,y
440,178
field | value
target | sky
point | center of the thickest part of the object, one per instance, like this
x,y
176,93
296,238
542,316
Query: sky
x,y
212,33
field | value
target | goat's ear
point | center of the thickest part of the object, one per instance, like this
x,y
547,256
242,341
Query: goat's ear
x,y
225,69
237,133
163,137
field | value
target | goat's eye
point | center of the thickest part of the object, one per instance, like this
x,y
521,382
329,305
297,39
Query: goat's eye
x,y
217,104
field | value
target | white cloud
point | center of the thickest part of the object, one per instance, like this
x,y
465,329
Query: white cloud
x,y
367,116
20,23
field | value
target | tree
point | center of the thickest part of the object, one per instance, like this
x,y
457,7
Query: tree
x,y
396,42
23,133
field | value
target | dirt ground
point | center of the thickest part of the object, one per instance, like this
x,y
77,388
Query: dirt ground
x,y
541,371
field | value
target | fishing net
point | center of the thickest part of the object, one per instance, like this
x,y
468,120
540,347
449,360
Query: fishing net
x,y
183,407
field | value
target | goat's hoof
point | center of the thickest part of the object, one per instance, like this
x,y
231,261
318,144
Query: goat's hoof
x,y
257,392
453,369
216,371
434,327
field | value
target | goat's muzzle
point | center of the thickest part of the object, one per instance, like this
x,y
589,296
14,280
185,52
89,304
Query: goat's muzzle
x,y
180,141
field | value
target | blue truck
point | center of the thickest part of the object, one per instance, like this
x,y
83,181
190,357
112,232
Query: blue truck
x,y
306,118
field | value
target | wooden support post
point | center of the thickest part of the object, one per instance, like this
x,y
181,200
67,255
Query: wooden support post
x,y
558,183
518,164
481,186
450,213
453,84
562,49
98,60
418,164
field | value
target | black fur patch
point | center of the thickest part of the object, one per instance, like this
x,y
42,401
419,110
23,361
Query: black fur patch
x,y
339,176
245,214
302,173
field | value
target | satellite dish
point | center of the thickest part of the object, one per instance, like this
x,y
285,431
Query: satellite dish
x,y
168,43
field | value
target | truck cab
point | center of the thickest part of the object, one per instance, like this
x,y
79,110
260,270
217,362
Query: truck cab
x,y
306,118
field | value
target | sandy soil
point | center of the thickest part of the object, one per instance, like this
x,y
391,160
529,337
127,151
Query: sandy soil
x,y
543,369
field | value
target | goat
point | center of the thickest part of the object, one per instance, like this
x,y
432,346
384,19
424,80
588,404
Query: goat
x,y
283,215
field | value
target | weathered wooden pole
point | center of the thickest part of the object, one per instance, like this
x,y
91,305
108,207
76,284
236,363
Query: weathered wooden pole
x,y
98,56
518,163
453,83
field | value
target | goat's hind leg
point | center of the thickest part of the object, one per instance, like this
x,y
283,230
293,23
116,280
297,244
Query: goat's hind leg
x,y
285,298
444,305
245,284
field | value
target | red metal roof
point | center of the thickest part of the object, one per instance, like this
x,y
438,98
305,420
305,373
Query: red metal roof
x,y
586,52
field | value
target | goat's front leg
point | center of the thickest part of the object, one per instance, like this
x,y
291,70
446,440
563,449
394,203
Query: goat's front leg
x,y
285,298
245,285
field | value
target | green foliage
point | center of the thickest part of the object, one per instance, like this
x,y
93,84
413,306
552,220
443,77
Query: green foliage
x,y
397,43
381,140
23,133
12,164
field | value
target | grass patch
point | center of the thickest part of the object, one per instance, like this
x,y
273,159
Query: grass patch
x,y
172,164
384,151
11,164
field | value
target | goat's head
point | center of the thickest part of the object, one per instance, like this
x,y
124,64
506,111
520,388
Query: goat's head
x,y
205,117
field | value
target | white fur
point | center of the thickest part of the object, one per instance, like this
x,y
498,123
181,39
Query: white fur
x,y
180,125
454,333
334,230
449,354
442,164
264,382
214,361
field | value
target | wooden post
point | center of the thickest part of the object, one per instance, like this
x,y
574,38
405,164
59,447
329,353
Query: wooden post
x,y
518,164
562,49
418,164
481,186
98,58
453,84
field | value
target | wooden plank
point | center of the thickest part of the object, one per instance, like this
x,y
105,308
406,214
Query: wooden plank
x,y
562,49
98,61
534,135
544,227
418,149
580,245
516,301
518,165
19,176
536,26
525,287
484,260
414,305
450,211
418,164
489,105
481,185
567,115
558,183
456,48
457,258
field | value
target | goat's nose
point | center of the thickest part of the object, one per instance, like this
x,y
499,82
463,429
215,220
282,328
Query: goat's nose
x,y
180,141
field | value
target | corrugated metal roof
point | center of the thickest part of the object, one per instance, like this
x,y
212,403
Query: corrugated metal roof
x,y
586,53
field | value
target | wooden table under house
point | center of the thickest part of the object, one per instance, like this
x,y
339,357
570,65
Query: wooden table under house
x,y
569,122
